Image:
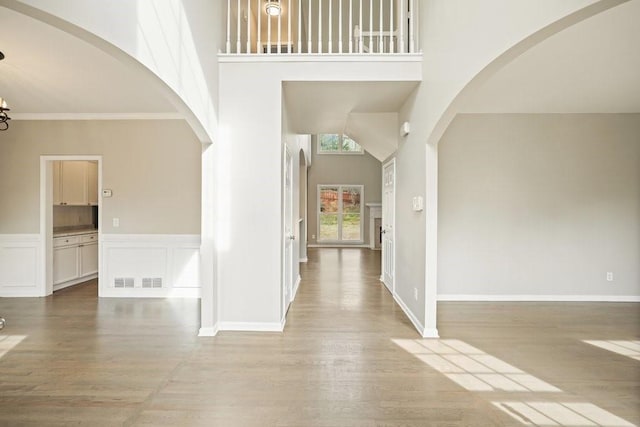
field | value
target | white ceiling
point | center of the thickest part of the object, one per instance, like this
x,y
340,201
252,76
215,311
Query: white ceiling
x,y
317,107
49,71
591,67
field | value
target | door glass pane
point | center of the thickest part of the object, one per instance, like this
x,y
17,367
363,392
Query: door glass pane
x,y
328,227
351,199
351,213
351,227
328,200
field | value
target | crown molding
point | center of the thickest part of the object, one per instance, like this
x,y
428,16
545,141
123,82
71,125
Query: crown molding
x,y
97,116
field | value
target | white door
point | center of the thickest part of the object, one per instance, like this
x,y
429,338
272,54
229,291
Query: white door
x,y
288,230
388,223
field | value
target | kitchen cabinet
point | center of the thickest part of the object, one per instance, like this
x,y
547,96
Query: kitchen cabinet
x,y
75,259
75,183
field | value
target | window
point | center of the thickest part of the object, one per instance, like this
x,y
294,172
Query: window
x,y
340,213
333,143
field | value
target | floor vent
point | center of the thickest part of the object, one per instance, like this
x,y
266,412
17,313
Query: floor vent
x,y
123,282
151,282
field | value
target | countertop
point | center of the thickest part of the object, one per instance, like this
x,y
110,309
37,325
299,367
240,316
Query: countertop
x,y
73,231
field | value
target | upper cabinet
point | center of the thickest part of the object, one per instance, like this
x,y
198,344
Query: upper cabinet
x,y
75,183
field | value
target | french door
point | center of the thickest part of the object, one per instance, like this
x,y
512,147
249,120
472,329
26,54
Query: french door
x,y
340,213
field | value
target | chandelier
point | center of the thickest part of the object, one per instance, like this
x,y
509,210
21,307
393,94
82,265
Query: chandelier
x,y
4,118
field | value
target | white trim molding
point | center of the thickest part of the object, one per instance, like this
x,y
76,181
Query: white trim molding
x,y
97,116
424,332
20,271
208,332
143,261
539,298
252,326
332,245
295,287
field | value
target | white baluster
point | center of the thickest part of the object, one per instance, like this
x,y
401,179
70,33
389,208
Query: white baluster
x,y
289,16
228,26
330,44
360,39
391,46
279,31
299,26
350,26
340,27
259,38
268,33
370,26
310,27
411,14
381,39
401,25
320,26
238,35
248,26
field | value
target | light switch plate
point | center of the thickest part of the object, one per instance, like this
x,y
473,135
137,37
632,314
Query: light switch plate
x,y
418,203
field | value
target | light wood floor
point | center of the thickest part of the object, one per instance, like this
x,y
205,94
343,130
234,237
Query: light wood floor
x,y
348,357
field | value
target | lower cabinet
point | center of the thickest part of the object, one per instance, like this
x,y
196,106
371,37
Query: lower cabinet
x,y
88,259
65,264
75,259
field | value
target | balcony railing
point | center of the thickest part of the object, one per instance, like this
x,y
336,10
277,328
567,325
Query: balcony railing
x,y
384,27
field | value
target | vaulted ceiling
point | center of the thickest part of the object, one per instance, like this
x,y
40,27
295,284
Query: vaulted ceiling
x,y
47,71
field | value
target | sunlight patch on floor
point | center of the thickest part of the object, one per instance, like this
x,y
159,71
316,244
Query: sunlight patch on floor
x,y
478,371
473,369
626,348
8,342
561,414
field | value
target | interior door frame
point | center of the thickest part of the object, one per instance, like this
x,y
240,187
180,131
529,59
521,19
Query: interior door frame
x,y
287,259
45,287
391,162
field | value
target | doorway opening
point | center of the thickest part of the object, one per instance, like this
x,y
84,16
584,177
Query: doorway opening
x,y
70,220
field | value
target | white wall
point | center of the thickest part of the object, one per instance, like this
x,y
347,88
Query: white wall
x,y
459,39
540,207
249,177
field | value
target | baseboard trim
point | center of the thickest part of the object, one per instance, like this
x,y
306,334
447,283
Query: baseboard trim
x,y
329,245
295,287
109,292
540,298
252,326
409,313
208,332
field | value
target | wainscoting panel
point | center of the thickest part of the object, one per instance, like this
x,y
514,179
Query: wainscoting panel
x,y
150,265
20,271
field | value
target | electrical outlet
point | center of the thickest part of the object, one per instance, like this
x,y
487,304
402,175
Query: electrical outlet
x,y
609,276
415,294
116,222
313,237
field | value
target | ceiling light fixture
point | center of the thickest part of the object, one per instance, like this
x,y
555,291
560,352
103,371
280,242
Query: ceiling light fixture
x,y
273,8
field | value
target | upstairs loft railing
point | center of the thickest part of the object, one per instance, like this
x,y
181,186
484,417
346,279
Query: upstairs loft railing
x,y
321,27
